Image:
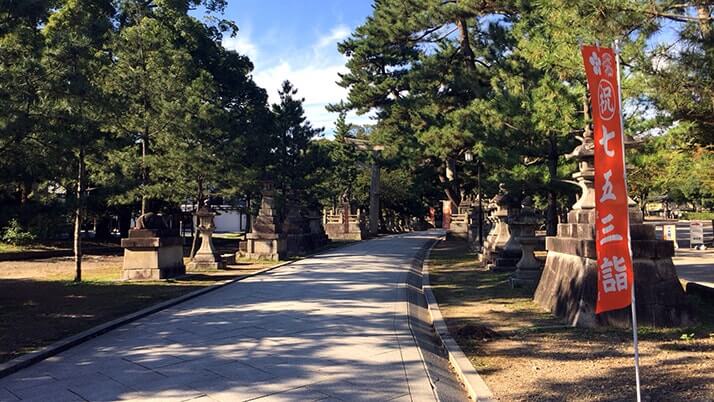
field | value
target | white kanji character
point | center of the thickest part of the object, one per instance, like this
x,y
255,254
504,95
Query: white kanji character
x,y
607,229
608,282
619,281
605,141
606,99
607,64
595,62
607,193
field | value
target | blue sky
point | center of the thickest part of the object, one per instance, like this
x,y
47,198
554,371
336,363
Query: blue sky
x,y
297,40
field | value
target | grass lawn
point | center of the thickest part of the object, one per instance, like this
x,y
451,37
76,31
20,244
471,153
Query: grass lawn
x,y
10,248
525,353
53,245
40,304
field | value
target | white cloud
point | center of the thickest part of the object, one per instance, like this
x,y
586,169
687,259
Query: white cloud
x,y
242,44
317,84
337,34
315,79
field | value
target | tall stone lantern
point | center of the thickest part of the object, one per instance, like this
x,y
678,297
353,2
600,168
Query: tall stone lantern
x,y
207,258
568,283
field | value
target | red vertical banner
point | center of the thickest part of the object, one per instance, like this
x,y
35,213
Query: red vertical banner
x,y
612,240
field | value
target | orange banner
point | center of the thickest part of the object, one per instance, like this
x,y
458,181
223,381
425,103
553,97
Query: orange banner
x,y
612,241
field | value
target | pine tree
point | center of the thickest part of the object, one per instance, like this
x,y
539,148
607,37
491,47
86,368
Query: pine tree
x,y
25,147
681,76
293,142
75,58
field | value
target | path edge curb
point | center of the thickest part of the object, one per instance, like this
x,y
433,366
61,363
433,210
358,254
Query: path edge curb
x,y
475,385
60,346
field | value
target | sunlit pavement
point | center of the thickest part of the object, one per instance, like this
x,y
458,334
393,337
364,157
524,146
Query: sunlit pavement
x,y
695,266
330,327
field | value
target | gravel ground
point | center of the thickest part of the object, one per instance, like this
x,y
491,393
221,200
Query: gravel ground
x,y
526,354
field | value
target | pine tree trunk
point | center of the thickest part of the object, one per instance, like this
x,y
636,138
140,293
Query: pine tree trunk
x,y
465,43
248,215
144,172
124,221
198,205
451,187
704,19
78,218
552,213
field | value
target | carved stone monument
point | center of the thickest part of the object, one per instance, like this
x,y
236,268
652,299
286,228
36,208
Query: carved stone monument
x,y
528,268
206,258
152,251
266,239
568,285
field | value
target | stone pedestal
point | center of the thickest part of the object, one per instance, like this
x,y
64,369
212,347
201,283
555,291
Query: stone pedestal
x,y
150,256
206,258
266,239
568,285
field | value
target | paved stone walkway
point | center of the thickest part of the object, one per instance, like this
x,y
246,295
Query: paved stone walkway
x,y
695,266
331,327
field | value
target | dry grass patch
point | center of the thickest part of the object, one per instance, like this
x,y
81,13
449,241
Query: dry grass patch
x,y
526,354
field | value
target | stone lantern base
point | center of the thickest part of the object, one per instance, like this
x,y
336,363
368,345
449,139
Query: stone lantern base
x,y
150,257
266,246
206,258
568,285
528,267
205,262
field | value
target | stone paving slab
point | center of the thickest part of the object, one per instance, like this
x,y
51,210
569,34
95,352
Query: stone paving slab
x,y
330,327
695,266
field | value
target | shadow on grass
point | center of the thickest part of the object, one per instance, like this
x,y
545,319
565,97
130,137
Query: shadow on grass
x,y
36,313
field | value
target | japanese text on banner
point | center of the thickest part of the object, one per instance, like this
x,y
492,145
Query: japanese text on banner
x,y
614,260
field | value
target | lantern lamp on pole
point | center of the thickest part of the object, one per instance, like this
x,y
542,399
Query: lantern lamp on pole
x,y
469,157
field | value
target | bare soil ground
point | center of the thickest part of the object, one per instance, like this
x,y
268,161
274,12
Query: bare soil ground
x,y
39,303
526,354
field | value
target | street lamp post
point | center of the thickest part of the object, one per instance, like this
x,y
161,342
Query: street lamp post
x,y
469,158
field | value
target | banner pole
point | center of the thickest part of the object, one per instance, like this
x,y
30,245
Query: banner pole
x,y
633,305
637,351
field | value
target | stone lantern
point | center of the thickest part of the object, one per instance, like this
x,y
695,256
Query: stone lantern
x,y
568,283
504,251
206,259
528,267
